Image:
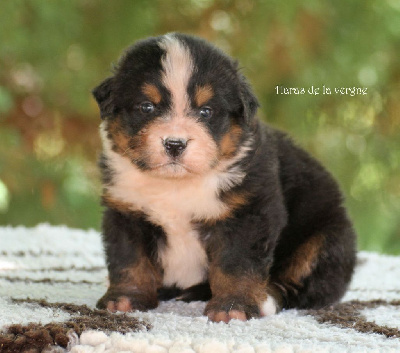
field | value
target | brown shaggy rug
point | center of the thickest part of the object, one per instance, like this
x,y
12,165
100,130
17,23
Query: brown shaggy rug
x,y
51,277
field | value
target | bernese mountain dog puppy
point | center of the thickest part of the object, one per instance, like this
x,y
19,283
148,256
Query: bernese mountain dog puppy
x,y
205,202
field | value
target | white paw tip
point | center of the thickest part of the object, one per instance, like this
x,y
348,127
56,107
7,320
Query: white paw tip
x,y
268,307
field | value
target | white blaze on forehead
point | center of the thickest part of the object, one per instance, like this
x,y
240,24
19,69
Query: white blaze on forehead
x,y
178,67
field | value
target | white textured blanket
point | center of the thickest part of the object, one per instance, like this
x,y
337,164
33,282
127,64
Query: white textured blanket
x,y
43,270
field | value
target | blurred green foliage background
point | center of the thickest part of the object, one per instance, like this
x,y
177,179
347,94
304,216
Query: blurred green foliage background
x,y
52,53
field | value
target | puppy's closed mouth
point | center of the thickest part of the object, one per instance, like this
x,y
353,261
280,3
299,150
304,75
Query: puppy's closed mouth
x,y
175,165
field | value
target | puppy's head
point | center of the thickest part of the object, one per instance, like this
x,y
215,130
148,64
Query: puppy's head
x,y
176,106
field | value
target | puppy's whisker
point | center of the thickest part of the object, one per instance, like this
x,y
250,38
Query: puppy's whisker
x,y
233,303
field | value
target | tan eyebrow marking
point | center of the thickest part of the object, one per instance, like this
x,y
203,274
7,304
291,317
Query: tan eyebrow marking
x,y
152,92
203,94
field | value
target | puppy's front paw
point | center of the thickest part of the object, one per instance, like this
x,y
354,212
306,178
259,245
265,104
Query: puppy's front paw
x,y
227,308
124,300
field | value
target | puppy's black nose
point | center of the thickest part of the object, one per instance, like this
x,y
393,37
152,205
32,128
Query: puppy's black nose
x,y
174,146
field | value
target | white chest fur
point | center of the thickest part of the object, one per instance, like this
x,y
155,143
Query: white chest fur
x,y
172,204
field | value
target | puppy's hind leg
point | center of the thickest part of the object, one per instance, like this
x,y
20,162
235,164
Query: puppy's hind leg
x,y
317,272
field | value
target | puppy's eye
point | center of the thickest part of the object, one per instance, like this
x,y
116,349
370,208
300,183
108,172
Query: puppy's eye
x,y
147,107
206,112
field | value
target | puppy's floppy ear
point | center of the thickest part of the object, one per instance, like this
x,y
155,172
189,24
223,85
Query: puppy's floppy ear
x,y
103,95
249,100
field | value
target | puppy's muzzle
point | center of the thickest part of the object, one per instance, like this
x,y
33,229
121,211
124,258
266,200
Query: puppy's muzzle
x,y
174,147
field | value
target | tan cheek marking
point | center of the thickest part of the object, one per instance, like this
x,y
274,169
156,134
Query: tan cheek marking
x,y
303,261
149,141
135,147
230,141
119,138
203,94
202,150
152,92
